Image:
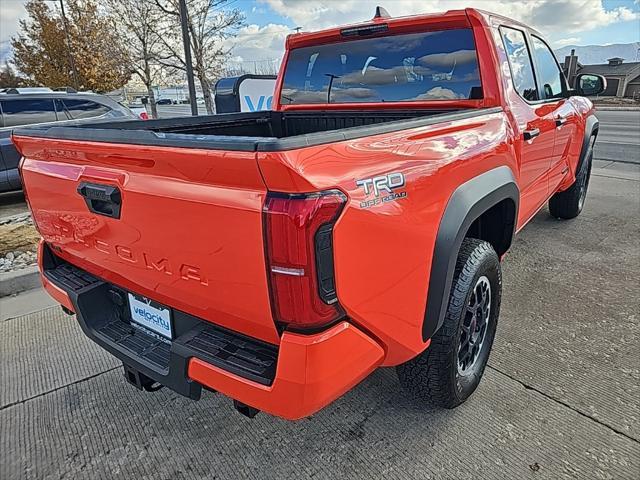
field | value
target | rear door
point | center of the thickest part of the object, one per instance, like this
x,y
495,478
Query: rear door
x,y
553,92
535,121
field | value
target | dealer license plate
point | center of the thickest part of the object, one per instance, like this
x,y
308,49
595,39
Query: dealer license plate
x,y
150,314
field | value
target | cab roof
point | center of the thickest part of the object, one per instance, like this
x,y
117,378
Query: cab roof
x,y
380,23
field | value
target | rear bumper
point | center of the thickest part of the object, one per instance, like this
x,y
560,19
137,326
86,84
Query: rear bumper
x,y
293,380
58,293
312,371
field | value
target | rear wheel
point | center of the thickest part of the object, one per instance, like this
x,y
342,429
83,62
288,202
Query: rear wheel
x,y
569,203
449,371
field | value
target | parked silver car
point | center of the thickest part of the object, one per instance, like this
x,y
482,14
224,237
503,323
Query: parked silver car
x,y
27,106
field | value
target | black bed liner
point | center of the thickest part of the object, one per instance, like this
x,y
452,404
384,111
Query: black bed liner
x,y
253,131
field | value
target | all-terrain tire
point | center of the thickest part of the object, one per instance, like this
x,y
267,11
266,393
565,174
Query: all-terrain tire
x,y
435,376
569,203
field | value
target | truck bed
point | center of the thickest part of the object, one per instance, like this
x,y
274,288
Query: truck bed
x,y
254,131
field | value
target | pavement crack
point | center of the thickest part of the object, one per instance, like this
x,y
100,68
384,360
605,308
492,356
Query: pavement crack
x,y
613,175
27,314
565,404
53,390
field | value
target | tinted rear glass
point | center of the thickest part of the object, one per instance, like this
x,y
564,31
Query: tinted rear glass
x,y
520,63
27,111
84,108
549,74
440,65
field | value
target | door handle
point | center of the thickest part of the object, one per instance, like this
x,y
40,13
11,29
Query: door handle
x,y
560,121
101,199
531,134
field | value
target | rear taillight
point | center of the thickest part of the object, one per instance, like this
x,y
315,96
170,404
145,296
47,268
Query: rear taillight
x,y
144,116
299,239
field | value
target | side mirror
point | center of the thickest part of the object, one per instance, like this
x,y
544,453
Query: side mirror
x,y
589,84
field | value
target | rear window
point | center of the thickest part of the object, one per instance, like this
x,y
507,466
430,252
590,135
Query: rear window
x,y
440,65
27,111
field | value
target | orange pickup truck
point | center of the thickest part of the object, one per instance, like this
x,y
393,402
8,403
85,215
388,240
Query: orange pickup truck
x,y
279,257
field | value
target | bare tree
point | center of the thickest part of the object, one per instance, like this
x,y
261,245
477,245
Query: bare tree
x,y
138,22
209,23
267,66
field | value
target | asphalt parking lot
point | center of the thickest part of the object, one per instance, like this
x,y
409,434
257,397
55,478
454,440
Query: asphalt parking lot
x,y
619,136
561,398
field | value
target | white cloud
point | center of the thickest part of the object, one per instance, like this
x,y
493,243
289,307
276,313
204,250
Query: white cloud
x,y
259,43
11,11
563,42
548,16
459,57
440,93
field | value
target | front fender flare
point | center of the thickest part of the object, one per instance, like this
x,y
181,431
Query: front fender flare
x,y
590,128
466,204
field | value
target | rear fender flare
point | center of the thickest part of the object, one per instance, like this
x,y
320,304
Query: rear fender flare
x,y
466,204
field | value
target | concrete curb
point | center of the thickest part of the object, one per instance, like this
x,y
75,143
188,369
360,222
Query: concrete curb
x,y
605,172
14,217
19,281
616,109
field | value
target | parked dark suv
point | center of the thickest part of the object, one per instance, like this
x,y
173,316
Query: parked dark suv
x,y
19,108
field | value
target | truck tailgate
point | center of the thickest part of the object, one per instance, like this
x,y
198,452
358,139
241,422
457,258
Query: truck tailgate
x,y
187,231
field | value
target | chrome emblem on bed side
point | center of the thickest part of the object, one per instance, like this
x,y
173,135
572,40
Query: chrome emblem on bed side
x,y
382,187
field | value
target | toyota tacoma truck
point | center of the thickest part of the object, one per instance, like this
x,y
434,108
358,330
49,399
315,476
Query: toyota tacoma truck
x,y
280,257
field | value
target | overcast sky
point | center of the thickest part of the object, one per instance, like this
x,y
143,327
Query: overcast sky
x,y
564,22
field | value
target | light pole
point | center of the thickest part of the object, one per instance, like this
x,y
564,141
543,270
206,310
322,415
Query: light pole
x,y
74,72
187,56
332,77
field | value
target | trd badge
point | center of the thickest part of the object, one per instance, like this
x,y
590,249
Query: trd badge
x,y
383,188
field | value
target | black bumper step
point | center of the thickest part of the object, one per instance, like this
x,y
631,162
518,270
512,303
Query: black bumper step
x,y
245,357
70,278
138,342
103,313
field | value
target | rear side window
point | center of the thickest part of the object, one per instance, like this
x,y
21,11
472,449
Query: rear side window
x,y
440,65
79,108
549,74
520,63
27,111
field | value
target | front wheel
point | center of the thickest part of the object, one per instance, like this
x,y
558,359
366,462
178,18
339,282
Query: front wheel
x,y
450,369
569,203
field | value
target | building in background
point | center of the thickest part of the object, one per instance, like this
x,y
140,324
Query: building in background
x,y
136,95
623,78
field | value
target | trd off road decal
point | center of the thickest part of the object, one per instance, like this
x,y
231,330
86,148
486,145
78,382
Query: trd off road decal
x,y
383,189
